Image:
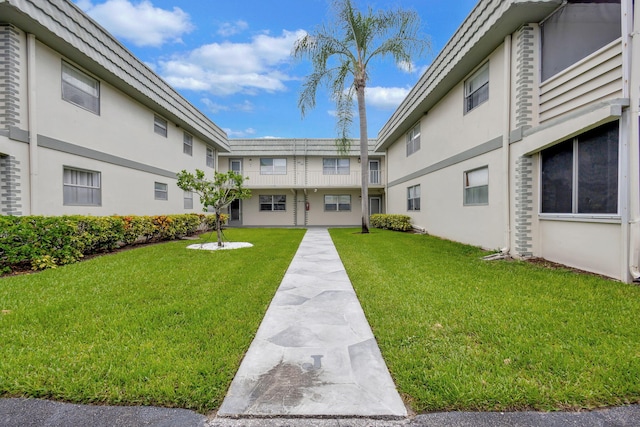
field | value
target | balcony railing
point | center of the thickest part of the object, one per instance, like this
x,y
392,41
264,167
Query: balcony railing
x,y
311,179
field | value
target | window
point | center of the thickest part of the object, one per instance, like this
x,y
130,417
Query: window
x,y
210,157
476,187
413,140
161,191
374,171
188,199
81,187
335,166
337,203
235,165
160,126
273,166
413,198
273,203
476,88
80,89
187,144
580,176
576,30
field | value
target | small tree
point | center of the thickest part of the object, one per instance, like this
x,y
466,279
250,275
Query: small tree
x,y
218,194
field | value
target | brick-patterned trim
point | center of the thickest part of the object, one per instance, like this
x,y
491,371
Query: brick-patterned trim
x,y
10,200
524,207
525,72
9,76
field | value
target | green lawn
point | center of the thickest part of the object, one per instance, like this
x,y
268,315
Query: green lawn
x,y
459,333
157,325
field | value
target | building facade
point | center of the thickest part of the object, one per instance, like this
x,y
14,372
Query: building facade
x,y
85,127
303,182
543,97
521,137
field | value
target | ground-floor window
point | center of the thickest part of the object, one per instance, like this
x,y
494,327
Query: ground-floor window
x,y
476,187
161,191
273,203
413,198
580,176
337,203
188,199
81,187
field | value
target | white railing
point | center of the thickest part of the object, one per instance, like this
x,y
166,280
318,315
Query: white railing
x,y
310,179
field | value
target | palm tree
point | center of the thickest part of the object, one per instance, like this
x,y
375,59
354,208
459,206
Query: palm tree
x,y
352,42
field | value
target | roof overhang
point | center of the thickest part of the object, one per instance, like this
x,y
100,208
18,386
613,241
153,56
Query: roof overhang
x,y
480,34
62,26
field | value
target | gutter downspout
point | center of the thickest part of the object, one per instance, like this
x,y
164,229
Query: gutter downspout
x,y
33,124
634,148
506,137
506,155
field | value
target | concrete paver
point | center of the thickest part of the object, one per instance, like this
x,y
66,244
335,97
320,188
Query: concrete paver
x,y
314,353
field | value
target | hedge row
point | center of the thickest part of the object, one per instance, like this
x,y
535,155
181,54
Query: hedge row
x,y
391,222
43,242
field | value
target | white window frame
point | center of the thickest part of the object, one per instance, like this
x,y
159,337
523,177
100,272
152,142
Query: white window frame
x,y
188,200
71,186
233,162
160,125
210,157
475,180
161,191
339,199
273,166
187,144
80,89
272,202
476,88
374,174
413,140
576,190
336,166
413,196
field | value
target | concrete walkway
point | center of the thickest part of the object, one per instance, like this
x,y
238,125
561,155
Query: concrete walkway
x,y
314,353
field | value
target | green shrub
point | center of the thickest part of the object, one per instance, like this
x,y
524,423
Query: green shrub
x,y
45,242
391,222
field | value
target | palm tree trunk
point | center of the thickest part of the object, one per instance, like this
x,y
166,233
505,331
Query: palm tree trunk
x,y
364,155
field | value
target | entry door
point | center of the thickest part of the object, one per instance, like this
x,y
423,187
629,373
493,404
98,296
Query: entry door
x,y
374,172
235,211
375,205
235,165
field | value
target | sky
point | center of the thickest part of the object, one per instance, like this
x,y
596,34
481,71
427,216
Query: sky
x,y
232,59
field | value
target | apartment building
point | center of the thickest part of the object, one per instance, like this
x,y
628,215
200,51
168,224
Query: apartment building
x,y
303,182
87,128
543,161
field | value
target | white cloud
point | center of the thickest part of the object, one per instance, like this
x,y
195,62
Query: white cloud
x,y
270,137
228,68
231,28
246,133
139,22
385,97
407,67
214,107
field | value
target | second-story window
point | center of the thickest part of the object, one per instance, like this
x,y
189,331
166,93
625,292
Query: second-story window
x,y
476,88
187,144
210,162
80,89
413,140
270,166
335,166
160,126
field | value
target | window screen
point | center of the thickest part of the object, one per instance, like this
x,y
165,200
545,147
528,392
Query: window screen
x,y
575,31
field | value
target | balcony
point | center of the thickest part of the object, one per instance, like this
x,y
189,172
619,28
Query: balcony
x,y
311,179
